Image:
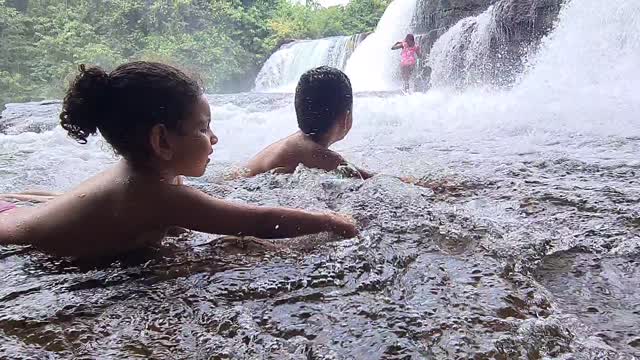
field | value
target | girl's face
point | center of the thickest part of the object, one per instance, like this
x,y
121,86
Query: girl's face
x,y
193,144
410,40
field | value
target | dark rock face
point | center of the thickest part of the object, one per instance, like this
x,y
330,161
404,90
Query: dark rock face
x,y
522,23
434,17
519,25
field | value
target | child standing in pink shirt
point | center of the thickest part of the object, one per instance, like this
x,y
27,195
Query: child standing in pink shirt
x,y
410,53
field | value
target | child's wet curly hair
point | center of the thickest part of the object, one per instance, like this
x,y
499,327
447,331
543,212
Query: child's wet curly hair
x,y
322,95
126,103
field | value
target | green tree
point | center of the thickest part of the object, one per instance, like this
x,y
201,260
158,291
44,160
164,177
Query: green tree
x,y
225,41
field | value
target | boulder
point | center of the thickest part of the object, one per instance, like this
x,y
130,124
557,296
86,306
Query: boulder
x,y
516,27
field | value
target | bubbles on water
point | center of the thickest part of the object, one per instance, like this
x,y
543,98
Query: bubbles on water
x,y
537,202
403,288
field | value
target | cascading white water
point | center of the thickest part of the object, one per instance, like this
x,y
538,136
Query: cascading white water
x,y
373,66
459,56
291,60
344,50
584,81
552,188
283,69
583,78
369,62
591,57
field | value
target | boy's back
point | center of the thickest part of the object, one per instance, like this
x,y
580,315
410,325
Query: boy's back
x,y
285,155
323,103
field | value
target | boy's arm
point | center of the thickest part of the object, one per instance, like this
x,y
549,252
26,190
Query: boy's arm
x,y
192,209
354,171
330,160
365,174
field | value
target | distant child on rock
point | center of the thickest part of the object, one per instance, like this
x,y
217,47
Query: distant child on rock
x,y
410,54
323,103
157,118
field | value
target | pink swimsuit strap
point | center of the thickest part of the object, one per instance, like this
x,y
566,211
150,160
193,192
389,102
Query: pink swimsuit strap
x,y
408,54
6,206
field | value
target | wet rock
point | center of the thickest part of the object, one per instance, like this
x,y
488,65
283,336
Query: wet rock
x,y
435,17
517,27
534,258
29,117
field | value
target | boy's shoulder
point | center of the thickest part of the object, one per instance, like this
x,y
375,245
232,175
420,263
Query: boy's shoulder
x,y
291,151
269,158
324,158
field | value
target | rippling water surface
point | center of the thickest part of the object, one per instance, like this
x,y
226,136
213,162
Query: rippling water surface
x,y
528,249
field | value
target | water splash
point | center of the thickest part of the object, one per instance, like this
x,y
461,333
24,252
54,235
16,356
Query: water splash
x,y
585,72
283,69
548,210
460,57
373,66
594,50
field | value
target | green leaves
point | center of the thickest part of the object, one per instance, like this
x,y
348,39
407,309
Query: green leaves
x,y
312,21
225,41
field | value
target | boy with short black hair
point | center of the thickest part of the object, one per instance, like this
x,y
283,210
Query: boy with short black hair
x,y
323,102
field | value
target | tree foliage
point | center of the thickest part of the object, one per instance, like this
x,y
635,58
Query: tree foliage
x,y
224,41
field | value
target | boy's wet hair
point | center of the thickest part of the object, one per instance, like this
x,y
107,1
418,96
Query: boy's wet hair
x,y
126,103
323,94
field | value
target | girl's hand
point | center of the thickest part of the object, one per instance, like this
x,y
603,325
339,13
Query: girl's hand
x,y
409,180
342,225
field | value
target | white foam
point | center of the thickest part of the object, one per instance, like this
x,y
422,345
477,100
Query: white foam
x,y
374,66
580,96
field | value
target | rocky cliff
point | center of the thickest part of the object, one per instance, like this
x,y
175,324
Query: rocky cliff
x,y
511,28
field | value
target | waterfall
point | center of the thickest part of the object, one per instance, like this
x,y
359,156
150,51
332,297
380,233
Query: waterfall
x,y
589,64
491,49
373,66
283,69
461,57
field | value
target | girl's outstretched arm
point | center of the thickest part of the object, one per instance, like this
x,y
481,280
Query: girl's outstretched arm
x,y
34,196
397,46
189,208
